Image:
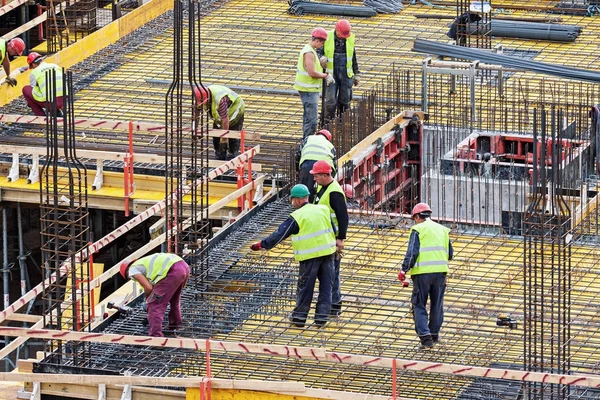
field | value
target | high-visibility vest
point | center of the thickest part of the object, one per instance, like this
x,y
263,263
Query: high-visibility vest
x,y
316,237
2,50
236,109
329,49
317,148
324,199
157,265
39,73
305,82
434,248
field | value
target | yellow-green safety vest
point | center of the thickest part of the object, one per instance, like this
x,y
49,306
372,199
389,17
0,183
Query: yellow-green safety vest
x,y
2,50
305,82
39,73
157,265
434,248
329,49
236,109
324,199
316,237
317,148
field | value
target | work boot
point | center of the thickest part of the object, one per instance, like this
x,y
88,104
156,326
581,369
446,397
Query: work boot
x,y
320,324
221,156
426,342
336,310
435,338
298,323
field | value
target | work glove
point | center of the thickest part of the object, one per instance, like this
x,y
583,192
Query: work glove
x,y
356,80
323,60
11,81
402,278
256,246
329,79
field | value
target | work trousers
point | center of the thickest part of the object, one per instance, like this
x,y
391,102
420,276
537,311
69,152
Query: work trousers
x,y
307,179
339,94
165,292
229,149
427,286
38,106
336,289
310,270
310,116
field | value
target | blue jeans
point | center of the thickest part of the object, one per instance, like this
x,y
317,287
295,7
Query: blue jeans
x,y
310,117
339,94
336,290
427,286
310,270
306,178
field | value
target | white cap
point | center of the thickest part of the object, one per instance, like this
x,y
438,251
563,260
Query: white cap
x,y
482,7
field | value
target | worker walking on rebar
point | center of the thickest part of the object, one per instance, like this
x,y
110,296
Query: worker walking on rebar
x,y
330,194
309,80
12,48
36,94
427,256
226,108
163,276
314,148
314,243
338,56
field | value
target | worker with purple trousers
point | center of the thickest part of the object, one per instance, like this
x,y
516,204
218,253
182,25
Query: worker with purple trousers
x,y
330,194
163,277
338,57
309,80
427,256
314,148
313,242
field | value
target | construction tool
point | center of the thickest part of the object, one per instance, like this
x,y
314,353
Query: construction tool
x,y
123,309
504,320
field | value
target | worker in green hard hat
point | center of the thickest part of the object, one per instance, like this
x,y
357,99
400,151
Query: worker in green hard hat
x,y
313,242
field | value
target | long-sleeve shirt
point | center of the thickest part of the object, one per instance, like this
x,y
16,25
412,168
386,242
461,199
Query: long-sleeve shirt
x,y
337,202
339,47
414,246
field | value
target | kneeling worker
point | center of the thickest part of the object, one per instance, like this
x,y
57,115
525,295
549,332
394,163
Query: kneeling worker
x,y
35,93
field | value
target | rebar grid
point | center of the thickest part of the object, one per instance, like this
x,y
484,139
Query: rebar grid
x,y
473,26
73,22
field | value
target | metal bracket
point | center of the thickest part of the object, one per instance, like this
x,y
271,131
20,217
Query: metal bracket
x,y
13,174
99,178
127,391
36,393
101,391
34,173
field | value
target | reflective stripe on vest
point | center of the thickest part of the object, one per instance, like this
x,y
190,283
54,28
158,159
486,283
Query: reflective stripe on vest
x,y
39,73
236,109
433,249
324,200
305,82
329,50
158,265
317,148
316,237
2,50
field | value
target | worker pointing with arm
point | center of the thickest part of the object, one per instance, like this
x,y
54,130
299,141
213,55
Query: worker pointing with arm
x,y
12,48
163,276
429,250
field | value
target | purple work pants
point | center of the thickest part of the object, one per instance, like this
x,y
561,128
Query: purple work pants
x,y
38,106
167,291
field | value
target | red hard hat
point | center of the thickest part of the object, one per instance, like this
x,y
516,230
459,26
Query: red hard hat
x,y
321,167
319,33
342,27
325,133
421,208
124,266
18,45
33,57
201,94
348,190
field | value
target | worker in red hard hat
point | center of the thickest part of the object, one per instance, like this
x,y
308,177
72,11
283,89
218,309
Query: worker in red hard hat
x,y
350,193
313,242
226,108
309,79
429,250
163,277
8,49
314,148
46,78
330,194
338,57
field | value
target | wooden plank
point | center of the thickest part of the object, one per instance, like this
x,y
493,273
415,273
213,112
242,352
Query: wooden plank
x,y
25,27
25,318
11,6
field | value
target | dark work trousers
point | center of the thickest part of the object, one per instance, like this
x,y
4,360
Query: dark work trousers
x,y
430,286
229,151
310,270
306,178
339,94
336,290
39,107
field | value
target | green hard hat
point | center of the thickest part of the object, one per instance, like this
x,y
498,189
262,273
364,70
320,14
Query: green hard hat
x,y
299,191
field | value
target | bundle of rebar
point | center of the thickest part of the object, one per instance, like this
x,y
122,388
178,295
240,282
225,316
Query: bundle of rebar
x,y
535,30
385,6
301,7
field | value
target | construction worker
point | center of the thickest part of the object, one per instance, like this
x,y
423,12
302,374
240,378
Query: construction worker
x,y
12,48
338,56
314,244
309,80
36,93
330,194
351,202
314,148
427,256
226,108
163,276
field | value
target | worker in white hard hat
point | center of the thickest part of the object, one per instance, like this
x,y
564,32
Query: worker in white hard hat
x,y
429,250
